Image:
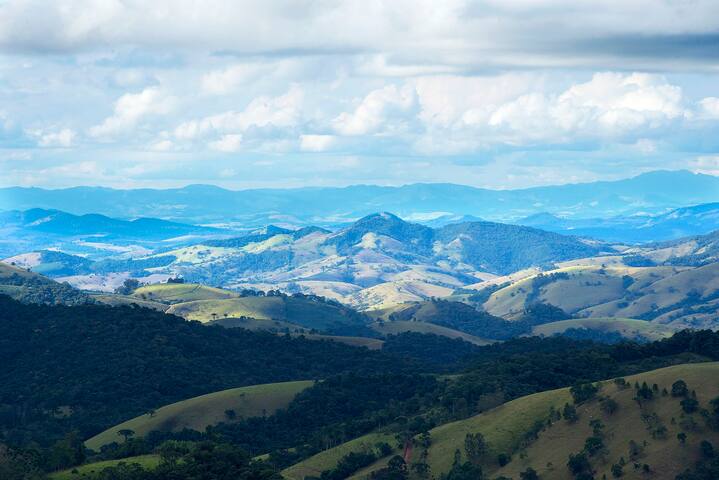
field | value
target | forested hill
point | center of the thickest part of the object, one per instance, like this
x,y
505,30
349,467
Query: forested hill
x,y
106,364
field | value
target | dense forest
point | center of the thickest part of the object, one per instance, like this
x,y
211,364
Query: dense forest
x,y
70,372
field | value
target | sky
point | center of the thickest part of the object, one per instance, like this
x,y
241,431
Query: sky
x,y
246,94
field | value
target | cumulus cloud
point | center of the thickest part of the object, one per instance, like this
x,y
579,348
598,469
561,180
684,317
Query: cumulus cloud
x,y
133,107
219,82
377,110
283,111
63,138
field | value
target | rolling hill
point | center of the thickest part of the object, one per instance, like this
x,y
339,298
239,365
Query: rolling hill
x,y
210,409
375,262
30,287
528,432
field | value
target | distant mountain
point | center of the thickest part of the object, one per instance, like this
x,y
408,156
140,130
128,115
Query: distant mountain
x,y
677,223
57,222
650,192
378,260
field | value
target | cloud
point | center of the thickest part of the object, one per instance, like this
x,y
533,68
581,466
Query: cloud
x,y
376,111
220,82
710,107
131,108
317,143
408,35
227,143
63,138
283,111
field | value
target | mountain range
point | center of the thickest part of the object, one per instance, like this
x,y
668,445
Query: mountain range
x,y
653,192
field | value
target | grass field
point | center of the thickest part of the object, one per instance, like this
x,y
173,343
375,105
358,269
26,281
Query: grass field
x,y
148,462
316,464
181,292
400,326
626,327
199,412
504,430
664,454
118,300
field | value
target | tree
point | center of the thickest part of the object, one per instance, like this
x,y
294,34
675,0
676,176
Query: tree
x,y
617,470
569,412
680,389
609,405
126,433
475,447
529,474
689,405
707,449
645,392
128,286
682,437
579,464
583,392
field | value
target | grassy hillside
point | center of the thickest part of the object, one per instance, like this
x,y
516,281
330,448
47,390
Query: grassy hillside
x,y
316,464
147,462
678,296
28,287
172,293
508,429
199,412
664,454
626,327
118,300
400,326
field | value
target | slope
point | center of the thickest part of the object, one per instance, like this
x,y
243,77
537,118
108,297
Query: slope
x,y
210,409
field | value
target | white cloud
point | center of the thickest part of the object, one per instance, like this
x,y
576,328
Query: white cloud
x,y
316,143
708,164
282,111
63,138
710,107
376,110
220,82
227,143
131,108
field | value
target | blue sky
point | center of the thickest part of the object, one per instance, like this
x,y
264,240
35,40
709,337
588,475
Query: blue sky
x,y
495,93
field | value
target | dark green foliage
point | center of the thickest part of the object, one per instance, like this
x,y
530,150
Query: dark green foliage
x,y
579,465
617,471
445,353
569,412
128,286
608,405
645,392
464,471
396,469
475,447
679,389
583,392
689,405
348,465
109,364
529,474
707,449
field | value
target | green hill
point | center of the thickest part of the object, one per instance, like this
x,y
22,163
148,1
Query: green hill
x,y
28,287
172,293
148,462
626,327
401,326
522,430
199,412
